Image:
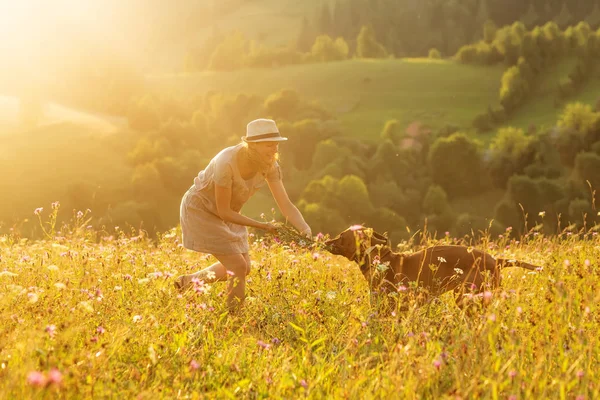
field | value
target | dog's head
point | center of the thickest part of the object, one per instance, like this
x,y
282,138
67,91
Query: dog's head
x,y
356,242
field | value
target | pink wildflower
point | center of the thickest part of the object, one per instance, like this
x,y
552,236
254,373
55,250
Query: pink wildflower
x,y
38,210
55,376
36,378
194,366
264,345
51,329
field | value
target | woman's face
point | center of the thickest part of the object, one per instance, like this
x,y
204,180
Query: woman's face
x,y
267,150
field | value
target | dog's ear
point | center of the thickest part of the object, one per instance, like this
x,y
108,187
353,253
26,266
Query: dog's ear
x,y
378,238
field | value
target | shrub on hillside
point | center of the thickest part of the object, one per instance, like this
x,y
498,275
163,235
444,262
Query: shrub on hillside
x,y
514,89
587,170
392,131
354,195
509,153
434,54
263,56
439,213
283,104
455,164
367,45
322,218
480,53
326,49
509,214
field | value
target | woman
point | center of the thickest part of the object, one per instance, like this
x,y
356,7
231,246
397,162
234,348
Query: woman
x,y
210,210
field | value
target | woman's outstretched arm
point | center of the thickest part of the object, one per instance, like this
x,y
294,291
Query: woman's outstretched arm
x,y
288,209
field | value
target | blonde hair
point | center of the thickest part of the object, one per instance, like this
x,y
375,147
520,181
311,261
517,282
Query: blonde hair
x,y
255,160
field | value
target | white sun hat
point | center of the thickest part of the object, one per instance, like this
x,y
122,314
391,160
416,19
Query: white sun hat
x,y
262,130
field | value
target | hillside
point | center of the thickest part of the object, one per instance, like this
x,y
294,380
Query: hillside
x,y
364,93
42,165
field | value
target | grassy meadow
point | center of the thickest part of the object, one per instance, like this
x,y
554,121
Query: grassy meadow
x,y
363,94
91,315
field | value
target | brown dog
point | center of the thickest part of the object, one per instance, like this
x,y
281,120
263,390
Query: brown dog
x,y
436,269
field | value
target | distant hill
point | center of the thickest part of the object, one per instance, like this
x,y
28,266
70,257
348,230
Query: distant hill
x,y
365,93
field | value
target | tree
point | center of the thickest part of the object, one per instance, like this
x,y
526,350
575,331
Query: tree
x,y
510,152
325,49
283,104
455,164
392,131
514,89
367,45
434,54
353,193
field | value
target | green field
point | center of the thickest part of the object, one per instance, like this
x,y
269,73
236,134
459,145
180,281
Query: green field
x,y
364,94
541,110
88,319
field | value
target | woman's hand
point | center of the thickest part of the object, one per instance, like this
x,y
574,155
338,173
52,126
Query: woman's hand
x,y
307,232
269,227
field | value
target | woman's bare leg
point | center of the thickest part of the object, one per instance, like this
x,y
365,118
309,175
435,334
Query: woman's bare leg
x,y
211,274
236,291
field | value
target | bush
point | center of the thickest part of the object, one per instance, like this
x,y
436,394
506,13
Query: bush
x,y
367,45
587,169
353,194
508,214
514,89
322,218
510,152
435,54
435,200
480,53
392,131
455,164
283,104
325,49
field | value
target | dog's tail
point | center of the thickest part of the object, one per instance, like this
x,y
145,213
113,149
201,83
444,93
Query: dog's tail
x,y
504,262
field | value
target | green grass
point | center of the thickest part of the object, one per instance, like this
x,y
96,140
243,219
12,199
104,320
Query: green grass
x,y
541,109
364,94
102,313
